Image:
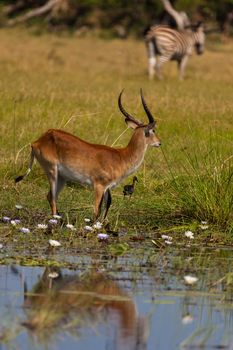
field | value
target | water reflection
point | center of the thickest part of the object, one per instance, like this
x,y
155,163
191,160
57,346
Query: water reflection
x,y
141,303
72,303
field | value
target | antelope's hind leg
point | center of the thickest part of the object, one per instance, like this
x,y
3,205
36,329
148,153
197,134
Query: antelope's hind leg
x,y
60,184
52,175
53,196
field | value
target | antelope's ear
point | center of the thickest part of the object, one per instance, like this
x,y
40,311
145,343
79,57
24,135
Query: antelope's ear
x,y
131,124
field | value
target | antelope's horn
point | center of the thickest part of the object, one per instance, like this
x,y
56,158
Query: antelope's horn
x,y
146,109
126,114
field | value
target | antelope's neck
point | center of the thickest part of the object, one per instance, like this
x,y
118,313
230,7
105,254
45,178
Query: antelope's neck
x,y
134,153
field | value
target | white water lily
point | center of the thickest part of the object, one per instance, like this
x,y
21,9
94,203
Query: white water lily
x,y
87,220
189,234
97,225
6,219
71,227
53,275
18,206
42,226
15,222
204,227
102,235
88,228
54,243
56,216
168,238
187,319
190,279
53,221
24,230
168,242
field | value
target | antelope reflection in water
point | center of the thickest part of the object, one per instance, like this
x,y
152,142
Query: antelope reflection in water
x,y
72,303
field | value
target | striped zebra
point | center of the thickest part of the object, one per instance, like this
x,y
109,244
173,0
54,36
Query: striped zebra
x,y
165,44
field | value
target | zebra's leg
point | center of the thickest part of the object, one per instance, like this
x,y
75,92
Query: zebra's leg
x,y
151,60
151,67
158,68
161,60
181,66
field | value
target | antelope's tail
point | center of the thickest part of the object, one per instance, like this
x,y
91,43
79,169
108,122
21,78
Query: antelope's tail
x,y
21,177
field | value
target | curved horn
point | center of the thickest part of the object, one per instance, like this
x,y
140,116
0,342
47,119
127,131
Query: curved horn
x,y
146,109
126,114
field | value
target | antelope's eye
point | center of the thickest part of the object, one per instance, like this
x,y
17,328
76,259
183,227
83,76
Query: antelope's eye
x,y
147,133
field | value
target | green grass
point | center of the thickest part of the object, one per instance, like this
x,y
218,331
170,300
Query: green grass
x,y
206,187
73,83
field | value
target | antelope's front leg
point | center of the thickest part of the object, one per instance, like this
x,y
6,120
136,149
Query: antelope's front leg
x,y
108,201
99,194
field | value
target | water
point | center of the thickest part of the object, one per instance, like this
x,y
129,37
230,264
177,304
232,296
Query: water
x,y
131,302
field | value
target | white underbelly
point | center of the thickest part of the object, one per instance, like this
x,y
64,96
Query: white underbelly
x,y
71,175
116,182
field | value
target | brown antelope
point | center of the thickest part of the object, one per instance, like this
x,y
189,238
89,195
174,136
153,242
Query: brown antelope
x,y
65,157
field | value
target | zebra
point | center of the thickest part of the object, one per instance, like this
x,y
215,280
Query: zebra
x,y
165,44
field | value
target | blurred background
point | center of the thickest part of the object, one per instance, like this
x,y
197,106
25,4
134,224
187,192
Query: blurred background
x,y
119,18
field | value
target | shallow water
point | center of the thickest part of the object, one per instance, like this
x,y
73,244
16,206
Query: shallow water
x,y
131,302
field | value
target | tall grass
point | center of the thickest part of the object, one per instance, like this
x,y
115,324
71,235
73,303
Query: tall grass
x,y
204,184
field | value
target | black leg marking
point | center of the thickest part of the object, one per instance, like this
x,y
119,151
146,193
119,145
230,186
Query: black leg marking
x,y
99,207
107,200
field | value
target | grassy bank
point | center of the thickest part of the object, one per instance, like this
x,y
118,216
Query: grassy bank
x,y
73,83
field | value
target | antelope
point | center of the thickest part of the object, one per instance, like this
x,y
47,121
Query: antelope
x,y
65,157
